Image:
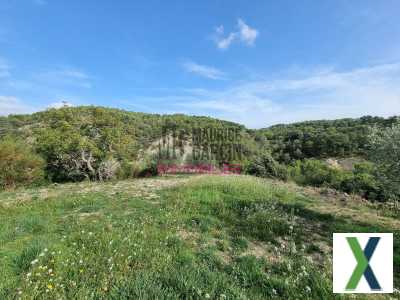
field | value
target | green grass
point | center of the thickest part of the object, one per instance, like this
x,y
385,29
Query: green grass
x,y
212,237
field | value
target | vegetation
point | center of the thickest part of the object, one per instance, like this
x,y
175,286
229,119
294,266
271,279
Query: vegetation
x,y
385,151
18,164
321,139
216,237
362,180
182,237
96,143
266,166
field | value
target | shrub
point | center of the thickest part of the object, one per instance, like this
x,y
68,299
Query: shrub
x,y
313,172
266,166
130,169
18,164
363,180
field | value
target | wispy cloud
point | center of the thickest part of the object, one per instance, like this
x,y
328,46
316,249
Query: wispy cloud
x,y
13,105
64,76
221,41
244,34
308,95
204,71
247,34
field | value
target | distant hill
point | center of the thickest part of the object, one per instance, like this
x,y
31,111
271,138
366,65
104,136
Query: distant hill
x,y
320,139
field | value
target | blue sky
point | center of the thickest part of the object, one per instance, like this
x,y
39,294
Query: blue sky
x,y
254,62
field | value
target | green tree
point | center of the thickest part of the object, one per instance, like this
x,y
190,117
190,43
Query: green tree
x,y
384,150
266,166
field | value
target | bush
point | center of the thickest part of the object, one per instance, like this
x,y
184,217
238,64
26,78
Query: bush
x,y
19,165
266,166
363,180
314,172
130,169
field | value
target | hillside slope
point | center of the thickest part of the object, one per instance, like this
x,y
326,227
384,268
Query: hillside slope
x,y
201,237
318,139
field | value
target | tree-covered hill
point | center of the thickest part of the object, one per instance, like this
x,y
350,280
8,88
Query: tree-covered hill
x,y
96,142
309,139
321,139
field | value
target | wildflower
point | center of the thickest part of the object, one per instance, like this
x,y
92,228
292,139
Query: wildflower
x,y
50,286
207,296
34,261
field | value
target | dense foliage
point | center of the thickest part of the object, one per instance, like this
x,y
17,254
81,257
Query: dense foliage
x,y
363,180
18,164
385,151
98,143
266,166
320,139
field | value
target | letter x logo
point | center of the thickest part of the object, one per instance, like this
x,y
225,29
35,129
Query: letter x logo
x,y
363,268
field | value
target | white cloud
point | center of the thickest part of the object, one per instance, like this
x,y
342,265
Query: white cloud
x,y
204,71
224,43
245,34
311,95
13,105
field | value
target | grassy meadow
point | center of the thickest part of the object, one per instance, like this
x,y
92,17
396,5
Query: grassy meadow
x,y
178,237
